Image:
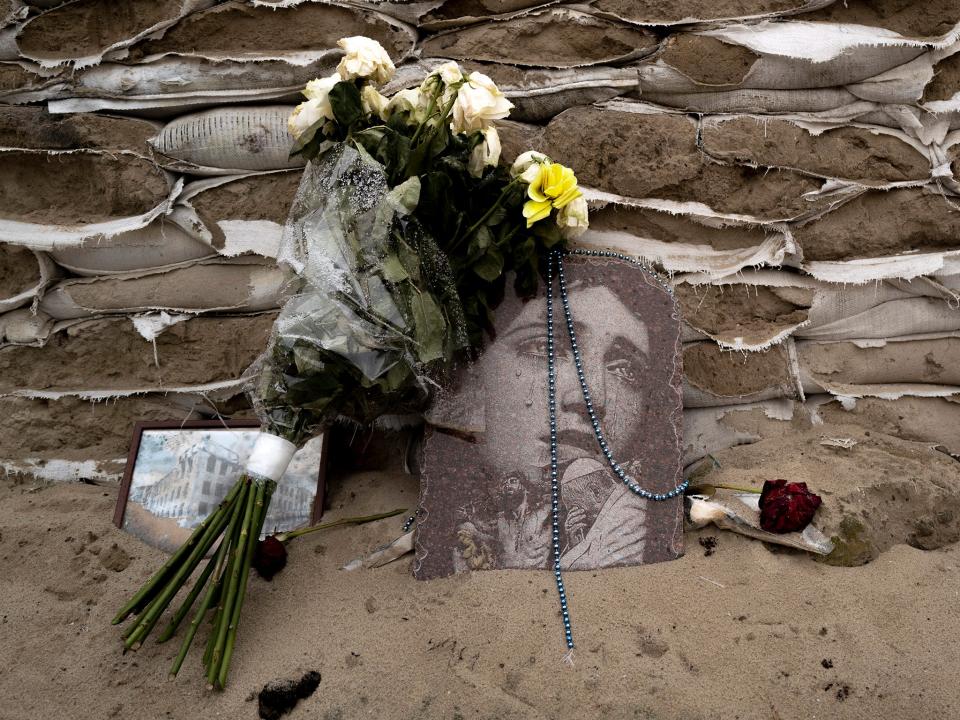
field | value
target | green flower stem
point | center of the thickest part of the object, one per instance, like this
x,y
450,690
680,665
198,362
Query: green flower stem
x,y
155,583
187,604
430,109
214,567
291,534
486,216
236,561
150,616
219,590
259,514
737,488
208,599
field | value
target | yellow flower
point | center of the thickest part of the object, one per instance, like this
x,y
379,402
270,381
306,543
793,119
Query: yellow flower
x,y
534,211
551,185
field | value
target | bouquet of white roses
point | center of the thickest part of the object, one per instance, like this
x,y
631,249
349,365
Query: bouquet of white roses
x,y
400,237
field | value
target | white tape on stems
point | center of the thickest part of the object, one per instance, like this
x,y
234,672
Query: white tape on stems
x,y
270,456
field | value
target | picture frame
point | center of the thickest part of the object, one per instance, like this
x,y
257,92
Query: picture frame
x,y
177,472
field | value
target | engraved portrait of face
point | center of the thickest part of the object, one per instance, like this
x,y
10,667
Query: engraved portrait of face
x,y
634,387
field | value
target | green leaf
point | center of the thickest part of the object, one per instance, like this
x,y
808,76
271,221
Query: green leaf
x,y
345,101
392,269
490,266
429,327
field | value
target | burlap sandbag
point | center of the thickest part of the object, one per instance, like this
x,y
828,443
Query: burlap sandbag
x,y
109,357
84,31
57,198
24,274
557,37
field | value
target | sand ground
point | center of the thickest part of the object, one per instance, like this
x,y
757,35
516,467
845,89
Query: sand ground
x,y
746,632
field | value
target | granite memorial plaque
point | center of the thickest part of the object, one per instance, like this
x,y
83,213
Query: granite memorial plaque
x,y
485,486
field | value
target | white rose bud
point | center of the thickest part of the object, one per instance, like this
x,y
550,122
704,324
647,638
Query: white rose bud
x,y
572,218
485,153
408,101
365,58
373,102
478,103
523,163
307,114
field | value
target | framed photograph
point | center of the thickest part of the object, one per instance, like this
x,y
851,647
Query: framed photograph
x,y
176,474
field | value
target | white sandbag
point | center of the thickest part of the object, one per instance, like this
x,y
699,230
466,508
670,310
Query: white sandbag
x,y
901,84
54,198
25,327
240,285
827,366
865,270
749,100
24,274
82,32
743,311
162,242
172,85
228,141
877,311
557,37
789,55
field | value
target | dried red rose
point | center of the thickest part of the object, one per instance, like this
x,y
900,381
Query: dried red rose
x,y
786,507
270,557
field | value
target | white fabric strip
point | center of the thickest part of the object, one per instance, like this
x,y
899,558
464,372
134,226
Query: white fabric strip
x,y
270,456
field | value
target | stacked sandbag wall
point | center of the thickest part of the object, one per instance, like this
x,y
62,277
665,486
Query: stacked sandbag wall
x,y
792,165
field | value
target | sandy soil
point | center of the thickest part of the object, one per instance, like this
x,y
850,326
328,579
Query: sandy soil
x,y
745,632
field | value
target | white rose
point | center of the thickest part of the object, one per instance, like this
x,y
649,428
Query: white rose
x,y
373,103
523,163
478,79
365,58
320,88
485,153
307,114
572,218
478,103
410,101
450,73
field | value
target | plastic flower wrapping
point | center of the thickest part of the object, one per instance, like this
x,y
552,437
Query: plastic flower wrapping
x,y
399,239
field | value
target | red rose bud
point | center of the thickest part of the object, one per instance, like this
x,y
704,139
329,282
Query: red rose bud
x,y
270,557
786,507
